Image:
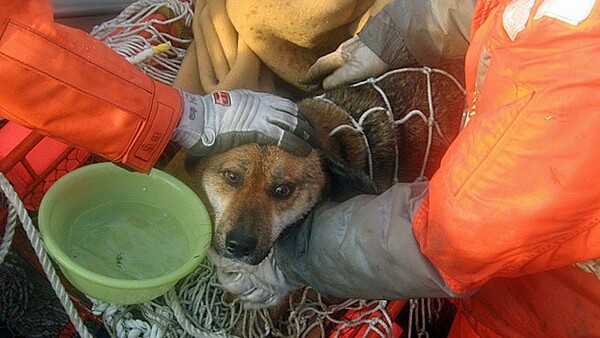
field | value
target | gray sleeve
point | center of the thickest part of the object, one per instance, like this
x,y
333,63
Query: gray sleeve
x,y
433,32
363,248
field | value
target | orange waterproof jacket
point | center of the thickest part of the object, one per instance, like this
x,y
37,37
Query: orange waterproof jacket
x,y
63,82
517,199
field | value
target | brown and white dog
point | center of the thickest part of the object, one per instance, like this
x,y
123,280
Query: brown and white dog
x,y
254,192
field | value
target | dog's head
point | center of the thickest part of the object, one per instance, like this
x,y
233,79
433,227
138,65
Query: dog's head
x,y
253,192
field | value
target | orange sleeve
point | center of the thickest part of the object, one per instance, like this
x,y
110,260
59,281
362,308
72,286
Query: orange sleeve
x,y
64,83
518,191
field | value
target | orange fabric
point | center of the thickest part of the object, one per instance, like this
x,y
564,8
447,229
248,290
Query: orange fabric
x,y
64,83
516,201
480,13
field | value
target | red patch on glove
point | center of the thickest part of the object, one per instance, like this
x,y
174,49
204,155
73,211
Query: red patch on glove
x,y
222,98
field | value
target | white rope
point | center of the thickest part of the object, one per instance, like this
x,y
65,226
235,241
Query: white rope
x,y
9,231
134,35
357,126
197,309
185,322
429,119
38,246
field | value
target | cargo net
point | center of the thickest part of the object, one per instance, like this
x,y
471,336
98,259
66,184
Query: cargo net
x,y
198,307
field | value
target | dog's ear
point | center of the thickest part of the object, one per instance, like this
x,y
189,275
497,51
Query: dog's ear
x,y
343,178
343,155
191,162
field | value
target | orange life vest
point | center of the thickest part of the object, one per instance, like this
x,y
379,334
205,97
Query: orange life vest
x,y
516,202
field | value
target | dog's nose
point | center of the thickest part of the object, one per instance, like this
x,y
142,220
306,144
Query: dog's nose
x,y
240,243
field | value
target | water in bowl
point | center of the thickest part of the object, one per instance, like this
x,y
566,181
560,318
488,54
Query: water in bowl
x,y
128,241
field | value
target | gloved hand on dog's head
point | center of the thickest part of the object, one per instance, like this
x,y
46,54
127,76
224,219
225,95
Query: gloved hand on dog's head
x,y
213,123
351,62
258,286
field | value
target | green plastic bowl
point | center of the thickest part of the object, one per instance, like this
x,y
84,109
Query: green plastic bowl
x,y
123,237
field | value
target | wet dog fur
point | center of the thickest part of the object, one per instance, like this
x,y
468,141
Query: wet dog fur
x,y
254,192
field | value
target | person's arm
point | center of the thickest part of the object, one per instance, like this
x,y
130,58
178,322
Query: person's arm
x,y
431,32
362,248
404,33
64,83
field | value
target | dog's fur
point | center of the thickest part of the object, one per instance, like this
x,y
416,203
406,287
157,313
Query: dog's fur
x,y
256,191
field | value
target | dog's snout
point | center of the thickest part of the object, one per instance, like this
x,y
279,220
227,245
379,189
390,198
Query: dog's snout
x,y
240,243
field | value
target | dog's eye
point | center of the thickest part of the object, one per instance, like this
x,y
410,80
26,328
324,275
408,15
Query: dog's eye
x,y
232,178
283,191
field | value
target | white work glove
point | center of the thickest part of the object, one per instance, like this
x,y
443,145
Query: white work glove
x,y
222,120
258,286
351,62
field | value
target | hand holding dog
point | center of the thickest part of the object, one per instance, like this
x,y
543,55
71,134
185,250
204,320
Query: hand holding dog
x,y
351,62
258,286
222,120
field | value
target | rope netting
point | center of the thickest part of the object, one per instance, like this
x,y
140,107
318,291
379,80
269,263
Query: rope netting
x,y
356,125
152,34
17,212
198,307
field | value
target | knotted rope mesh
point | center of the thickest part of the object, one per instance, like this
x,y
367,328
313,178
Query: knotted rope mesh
x,y
152,34
427,117
198,307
